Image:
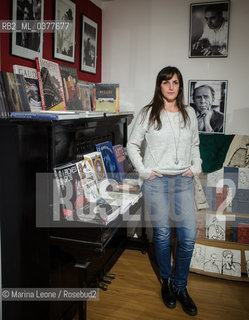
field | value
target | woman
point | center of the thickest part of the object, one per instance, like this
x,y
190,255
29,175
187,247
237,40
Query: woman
x,y
171,160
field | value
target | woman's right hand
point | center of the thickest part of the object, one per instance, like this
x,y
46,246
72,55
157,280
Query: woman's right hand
x,y
154,174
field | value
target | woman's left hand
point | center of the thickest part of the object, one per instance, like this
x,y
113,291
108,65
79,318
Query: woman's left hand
x,y
188,173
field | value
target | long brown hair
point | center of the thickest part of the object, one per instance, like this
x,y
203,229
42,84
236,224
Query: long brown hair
x,y
157,103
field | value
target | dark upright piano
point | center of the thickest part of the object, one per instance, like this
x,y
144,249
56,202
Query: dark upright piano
x,y
44,257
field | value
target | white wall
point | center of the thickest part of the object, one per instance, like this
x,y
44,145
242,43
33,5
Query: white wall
x,y
140,37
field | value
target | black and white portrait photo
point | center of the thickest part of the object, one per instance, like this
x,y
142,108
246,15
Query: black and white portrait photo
x,y
208,98
27,44
64,38
89,45
209,24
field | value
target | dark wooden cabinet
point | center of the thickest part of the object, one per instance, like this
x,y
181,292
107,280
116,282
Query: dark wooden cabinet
x,y
45,257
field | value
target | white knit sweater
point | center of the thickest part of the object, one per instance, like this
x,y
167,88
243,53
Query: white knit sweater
x,y
160,150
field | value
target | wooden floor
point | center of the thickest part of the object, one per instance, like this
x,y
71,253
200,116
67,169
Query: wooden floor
x,y
135,294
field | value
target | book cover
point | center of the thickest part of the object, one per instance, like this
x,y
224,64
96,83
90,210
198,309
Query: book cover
x,y
98,165
78,204
215,226
247,261
50,84
200,226
85,95
221,196
198,257
243,233
213,260
71,87
43,115
15,92
120,156
72,194
230,228
106,97
88,179
110,161
239,220
3,100
32,86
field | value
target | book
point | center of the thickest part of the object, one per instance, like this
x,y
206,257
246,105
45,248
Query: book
x,y
85,95
239,221
71,88
200,225
120,156
215,226
32,86
221,196
98,165
3,101
110,161
15,92
243,233
88,179
106,97
72,196
50,84
78,202
247,261
43,115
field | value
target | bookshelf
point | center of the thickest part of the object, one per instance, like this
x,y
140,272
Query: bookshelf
x,y
226,238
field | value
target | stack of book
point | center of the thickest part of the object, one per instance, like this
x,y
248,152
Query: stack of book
x,y
88,191
54,87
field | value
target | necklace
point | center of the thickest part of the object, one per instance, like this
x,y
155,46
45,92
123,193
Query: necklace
x,y
173,133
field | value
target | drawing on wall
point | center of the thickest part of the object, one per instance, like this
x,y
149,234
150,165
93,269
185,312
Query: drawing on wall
x,y
215,227
209,25
208,98
89,45
231,262
243,182
238,153
198,257
247,261
64,38
216,178
30,14
213,260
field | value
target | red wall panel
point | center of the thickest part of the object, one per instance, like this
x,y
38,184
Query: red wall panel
x,y
85,7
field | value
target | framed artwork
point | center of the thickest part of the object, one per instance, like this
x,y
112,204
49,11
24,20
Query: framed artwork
x,y
89,45
209,25
208,98
27,44
64,38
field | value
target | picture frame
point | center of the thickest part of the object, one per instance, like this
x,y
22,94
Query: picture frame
x,y
209,100
64,38
209,29
28,44
89,45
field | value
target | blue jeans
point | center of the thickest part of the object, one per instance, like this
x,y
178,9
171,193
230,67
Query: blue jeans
x,y
170,203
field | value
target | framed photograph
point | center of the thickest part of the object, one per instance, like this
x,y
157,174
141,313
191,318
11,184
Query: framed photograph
x,y
64,38
209,25
89,45
27,44
208,98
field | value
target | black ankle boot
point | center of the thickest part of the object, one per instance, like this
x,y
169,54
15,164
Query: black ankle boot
x,y
168,293
187,303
